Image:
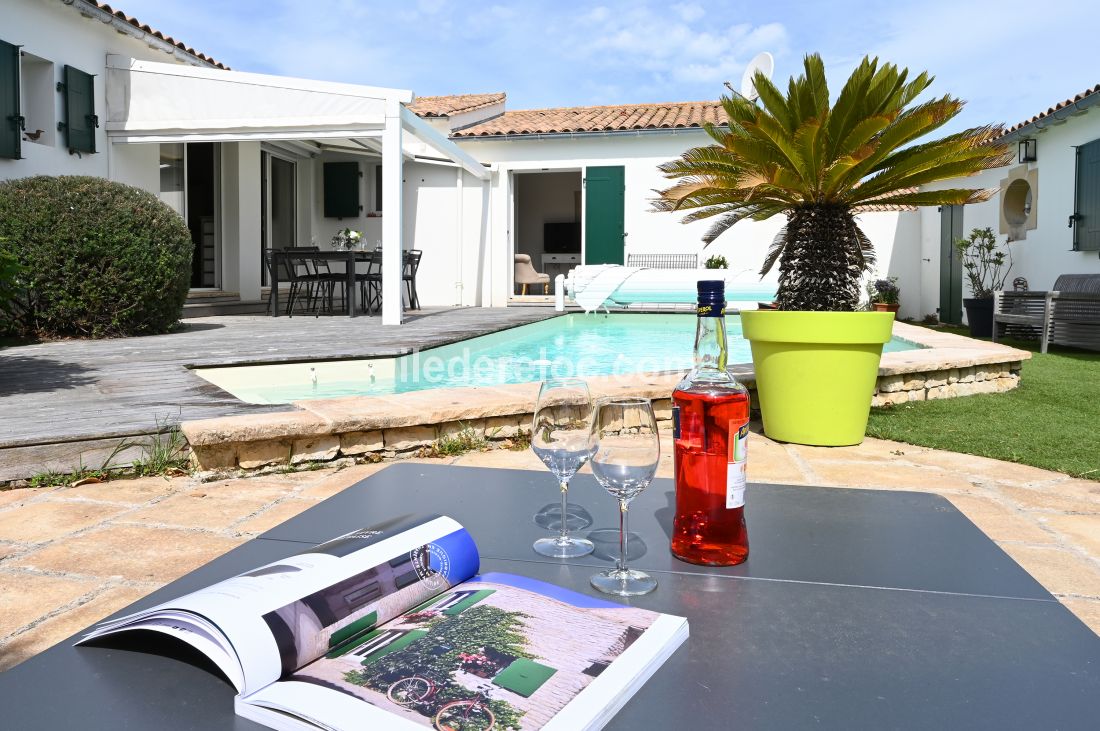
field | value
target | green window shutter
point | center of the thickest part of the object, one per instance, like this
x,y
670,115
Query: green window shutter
x,y
350,633
341,181
468,602
399,644
524,677
604,218
80,117
1086,229
11,123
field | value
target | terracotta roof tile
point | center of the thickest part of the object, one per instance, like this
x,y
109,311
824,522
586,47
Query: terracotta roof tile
x,y
1057,107
616,118
448,106
156,33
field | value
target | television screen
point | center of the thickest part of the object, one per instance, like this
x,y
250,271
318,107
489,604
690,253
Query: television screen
x,y
561,238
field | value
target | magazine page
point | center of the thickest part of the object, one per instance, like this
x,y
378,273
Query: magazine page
x,y
281,616
497,651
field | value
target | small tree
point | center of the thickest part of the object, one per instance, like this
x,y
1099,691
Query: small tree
x,y
987,263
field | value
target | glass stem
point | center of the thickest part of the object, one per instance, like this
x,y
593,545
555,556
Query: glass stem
x,y
564,512
622,536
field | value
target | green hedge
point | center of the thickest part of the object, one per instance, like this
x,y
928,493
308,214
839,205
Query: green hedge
x,y
98,258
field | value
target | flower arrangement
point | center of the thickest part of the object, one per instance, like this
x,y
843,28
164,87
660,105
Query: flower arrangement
x,y
884,291
346,239
478,663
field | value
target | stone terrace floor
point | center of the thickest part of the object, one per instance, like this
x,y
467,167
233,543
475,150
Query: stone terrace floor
x,y
71,400
70,556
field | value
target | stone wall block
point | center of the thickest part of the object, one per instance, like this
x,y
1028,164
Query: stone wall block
x,y
253,455
361,442
662,408
214,456
315,449
890,384
453,429
408,437
936,379
502,427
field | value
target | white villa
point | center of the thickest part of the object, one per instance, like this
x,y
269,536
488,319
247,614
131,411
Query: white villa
x,y
257,161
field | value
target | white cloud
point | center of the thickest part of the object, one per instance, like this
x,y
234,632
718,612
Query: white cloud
x,y
689,12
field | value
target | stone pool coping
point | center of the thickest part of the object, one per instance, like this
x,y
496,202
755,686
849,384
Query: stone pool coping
x,y
388,426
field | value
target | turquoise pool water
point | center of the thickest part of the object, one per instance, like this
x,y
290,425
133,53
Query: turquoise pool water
x,y
570,345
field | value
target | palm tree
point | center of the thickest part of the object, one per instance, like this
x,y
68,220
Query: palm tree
x,y
820,164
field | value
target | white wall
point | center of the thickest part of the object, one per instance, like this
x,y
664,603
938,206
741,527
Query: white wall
x,y
1046,251
62,35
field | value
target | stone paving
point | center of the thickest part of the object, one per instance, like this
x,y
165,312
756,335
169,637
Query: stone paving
x,y
70,556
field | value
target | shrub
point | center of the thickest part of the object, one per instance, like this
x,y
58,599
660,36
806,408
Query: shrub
x,y
9,283
99,258
716,262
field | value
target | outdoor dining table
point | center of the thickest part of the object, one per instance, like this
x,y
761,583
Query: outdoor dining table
x,y
350,259
857,609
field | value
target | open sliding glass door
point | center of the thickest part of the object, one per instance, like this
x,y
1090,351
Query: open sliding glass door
x,y
278,203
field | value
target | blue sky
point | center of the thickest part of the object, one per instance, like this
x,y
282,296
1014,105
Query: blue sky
x,y
1008,59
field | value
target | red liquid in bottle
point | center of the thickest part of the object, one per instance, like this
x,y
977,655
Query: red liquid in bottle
x,y
705,530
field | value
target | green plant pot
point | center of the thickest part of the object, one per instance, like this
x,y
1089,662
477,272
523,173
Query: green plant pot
x,y
816,372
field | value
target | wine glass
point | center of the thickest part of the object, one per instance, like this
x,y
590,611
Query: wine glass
x,y
561,436
625,452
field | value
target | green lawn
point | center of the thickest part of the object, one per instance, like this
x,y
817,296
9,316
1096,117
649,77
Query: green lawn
x,y
1051,421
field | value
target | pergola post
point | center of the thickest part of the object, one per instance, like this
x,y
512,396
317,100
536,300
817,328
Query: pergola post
x,y
392,215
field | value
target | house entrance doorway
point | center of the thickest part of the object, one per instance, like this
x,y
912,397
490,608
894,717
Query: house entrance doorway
x,y
189,184
546,228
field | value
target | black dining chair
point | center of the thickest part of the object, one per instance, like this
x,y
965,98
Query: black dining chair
x,y
408,274
370,282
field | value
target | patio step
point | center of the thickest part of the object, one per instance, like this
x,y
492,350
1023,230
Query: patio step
x,y
229,307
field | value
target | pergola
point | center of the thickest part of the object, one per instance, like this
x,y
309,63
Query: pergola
x,y
150,102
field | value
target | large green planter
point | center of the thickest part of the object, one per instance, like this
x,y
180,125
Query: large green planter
x,y
816,372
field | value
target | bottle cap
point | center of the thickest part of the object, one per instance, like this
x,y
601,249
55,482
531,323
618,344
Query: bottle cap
x,y
712,298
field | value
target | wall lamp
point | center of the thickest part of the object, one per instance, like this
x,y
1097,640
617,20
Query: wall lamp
x,y
1029,150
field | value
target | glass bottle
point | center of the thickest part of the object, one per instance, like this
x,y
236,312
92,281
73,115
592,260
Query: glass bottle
x,y
710,433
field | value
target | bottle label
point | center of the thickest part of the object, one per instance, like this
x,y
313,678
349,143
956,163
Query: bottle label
x,y
711,310
675,422
735,470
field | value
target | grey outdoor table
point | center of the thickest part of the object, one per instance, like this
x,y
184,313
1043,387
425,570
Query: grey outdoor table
x,y
857,609
350,258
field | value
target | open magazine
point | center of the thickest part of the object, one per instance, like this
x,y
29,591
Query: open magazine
x,y
391,628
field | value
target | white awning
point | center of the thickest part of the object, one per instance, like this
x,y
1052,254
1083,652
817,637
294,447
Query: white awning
x,y
163,102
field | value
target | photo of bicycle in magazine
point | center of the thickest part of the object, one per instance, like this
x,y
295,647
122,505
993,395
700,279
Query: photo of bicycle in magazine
x,y
392,627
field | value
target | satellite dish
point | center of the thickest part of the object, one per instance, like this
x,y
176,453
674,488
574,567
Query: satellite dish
x,y
761,63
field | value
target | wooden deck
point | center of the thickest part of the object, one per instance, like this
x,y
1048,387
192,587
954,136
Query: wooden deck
x,y
66,402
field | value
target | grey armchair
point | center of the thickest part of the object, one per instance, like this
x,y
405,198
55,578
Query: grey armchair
x,y
525,274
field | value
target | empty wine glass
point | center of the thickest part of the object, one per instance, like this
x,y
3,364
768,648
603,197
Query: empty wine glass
x,y
561,437
625,452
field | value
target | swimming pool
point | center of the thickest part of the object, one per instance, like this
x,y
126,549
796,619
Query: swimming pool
x,y
569,345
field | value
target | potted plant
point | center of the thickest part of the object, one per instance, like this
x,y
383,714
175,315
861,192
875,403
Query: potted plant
x,y
884,294
819,161
987,264
716,262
